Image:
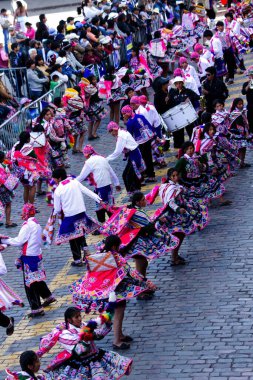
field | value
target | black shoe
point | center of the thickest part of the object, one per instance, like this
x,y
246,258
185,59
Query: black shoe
x,y
123,346
10,328
36,315
74,264
48,302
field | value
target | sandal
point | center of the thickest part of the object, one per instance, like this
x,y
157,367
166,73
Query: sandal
x,y
11,225
244,166
40,193
123,346
144,297
127,339
177,263
74,151
10,328
181,258
226,203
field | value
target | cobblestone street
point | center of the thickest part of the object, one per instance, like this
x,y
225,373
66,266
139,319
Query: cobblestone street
x,y
198,325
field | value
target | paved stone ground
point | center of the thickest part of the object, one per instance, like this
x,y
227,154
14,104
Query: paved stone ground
x,y
198,326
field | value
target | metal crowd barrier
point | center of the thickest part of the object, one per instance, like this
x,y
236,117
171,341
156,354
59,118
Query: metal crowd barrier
x,y
22,120
15,79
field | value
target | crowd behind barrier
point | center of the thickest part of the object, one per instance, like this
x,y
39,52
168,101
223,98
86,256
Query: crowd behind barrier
x,y
22,119
15,80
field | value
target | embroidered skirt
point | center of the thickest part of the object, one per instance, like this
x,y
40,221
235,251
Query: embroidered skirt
x,y
5,195
33,269
203,188
106,365
8,297
152,246
75,226
195,218
96,112
91,292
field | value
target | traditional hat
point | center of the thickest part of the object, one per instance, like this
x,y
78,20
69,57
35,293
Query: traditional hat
x,y
143,99
135,100
28,211
194,55
127,110
112,126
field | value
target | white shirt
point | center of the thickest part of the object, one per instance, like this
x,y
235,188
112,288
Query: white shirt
x,y
155,118
234,28
190,83
208,56
102,171
203,64
68,197
124,141
142,111
191,70
216,47
30,233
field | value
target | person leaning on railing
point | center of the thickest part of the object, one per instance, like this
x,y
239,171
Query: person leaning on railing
x,y
36,80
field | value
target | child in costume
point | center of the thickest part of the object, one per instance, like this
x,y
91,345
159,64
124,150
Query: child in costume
x,y
30,365
91,293
179,215
239,130
216,161
95,111
193,177
80,358
140,238
30,261
8,298
220,119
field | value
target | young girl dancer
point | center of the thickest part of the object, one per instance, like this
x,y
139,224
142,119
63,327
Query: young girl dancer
x,y
179,215
217,165
30,365
80,358
95,111
140,238
193,177
90,294
239,130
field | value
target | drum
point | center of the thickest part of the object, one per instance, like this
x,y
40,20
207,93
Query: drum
x,y
179,116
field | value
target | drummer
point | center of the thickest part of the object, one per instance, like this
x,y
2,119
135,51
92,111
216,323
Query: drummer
x,y
166,99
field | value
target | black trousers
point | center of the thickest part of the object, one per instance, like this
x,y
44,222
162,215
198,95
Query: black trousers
x,y
178,136
4,320
35,292
76,246
146,152
250,118
101,215
131,181
229,59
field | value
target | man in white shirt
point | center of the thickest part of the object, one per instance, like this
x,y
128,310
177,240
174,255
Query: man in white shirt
x,y
132,174
68,199
101,175
30,261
